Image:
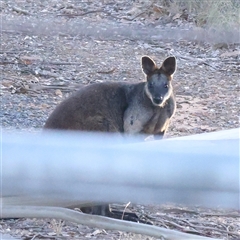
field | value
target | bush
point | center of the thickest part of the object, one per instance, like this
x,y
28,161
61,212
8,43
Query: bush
x,y
208,13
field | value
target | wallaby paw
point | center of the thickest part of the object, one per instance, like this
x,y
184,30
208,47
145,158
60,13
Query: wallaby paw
x,y
128,216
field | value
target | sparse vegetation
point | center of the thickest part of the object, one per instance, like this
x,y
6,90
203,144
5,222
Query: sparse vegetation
x,y
207,13
49,49
57,226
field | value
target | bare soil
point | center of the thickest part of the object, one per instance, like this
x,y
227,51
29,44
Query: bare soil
x,y
51,48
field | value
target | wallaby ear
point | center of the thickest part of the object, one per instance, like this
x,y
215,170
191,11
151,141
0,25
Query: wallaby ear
x,y
148,65
169,65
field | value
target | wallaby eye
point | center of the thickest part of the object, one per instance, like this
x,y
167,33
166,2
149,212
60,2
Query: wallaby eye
x,y
166,85
150,85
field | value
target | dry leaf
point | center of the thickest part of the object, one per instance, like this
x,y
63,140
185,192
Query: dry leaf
x,y
158,9
51,234
96,232
177,16
58,92
30,59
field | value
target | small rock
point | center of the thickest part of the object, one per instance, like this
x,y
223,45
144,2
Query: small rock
x,y
58,92
220,46
30,59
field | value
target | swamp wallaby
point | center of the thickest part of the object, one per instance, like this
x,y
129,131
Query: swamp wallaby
x,y
145,107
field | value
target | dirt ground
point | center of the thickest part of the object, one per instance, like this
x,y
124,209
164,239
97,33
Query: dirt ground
x,y
51,48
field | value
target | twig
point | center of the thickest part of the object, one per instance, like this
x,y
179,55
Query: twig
x,y
5,63
196,60
19,10
79,14
62,87
35,88
213,229
221,215
207,64
131,19
36,235
10,51
180,210
103,11
124,210
107,72
96,221
44,63
196,227
174,224
61,63
42,236
89,12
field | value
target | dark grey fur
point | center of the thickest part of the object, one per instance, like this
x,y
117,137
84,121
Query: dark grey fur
x,y
144,107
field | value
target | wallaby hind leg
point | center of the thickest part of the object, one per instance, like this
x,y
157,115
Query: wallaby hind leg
x,y
105,210
100,123
129,216
159,135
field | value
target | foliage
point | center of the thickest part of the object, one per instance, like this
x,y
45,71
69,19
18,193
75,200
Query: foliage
x,y
208,13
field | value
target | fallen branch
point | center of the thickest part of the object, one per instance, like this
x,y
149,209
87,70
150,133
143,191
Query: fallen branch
x,y
233,215
61,63
133,18
89,12
96,221
65,88
43,63
213,229
19,10
196,227
42,236
107,72
35,88
6,62
196,60
125,208
103,11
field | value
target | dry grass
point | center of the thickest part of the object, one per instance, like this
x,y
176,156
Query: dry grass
x,y
208,13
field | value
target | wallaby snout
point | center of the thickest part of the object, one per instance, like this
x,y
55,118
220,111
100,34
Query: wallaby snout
x,y
158,100
158,89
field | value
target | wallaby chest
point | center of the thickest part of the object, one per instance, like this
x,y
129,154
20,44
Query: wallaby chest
x,y
160,119
142,117
151,104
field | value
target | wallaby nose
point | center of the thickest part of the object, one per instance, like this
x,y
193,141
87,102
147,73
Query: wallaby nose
x,y
158,99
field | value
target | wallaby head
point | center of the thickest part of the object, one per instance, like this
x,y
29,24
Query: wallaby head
x,y
158,86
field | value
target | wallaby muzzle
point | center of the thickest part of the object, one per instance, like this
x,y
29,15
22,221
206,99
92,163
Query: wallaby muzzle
x,y
157,100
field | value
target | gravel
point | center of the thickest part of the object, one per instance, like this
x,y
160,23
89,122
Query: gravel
x,y
51,48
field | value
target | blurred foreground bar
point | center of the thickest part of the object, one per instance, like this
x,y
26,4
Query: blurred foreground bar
x,y
65,169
